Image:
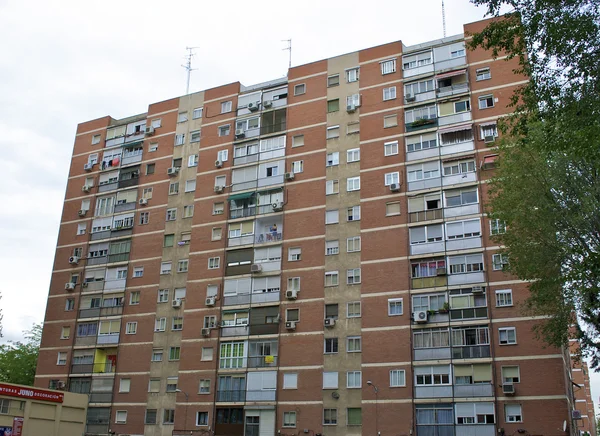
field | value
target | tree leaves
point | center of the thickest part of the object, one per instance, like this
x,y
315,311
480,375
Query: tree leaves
x,y
18,360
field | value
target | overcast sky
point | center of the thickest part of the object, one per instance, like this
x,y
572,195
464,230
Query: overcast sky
x,y
64,62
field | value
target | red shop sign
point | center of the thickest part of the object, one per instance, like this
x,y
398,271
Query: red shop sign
x,y
31,393
17,426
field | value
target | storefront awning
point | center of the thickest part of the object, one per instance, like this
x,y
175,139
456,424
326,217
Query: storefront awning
x,y
451,74
241,196
456,128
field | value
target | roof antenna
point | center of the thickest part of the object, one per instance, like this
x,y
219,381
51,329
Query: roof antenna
x,y
289,48
188,67
444,17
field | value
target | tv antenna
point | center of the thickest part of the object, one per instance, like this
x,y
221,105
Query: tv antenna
x,y
444,18
188,66
289,48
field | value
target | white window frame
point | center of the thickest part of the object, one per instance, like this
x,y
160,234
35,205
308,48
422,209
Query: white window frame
x,y
388,66
290,380
330,218
353,184
507,331
298,166
389,93
333,132
395,374
131,328
353,315
356,383
224,130
394,301
390,148
501,299
483,101
332,159
300,89
353,276
483,74
353,213
294,254
513,417
332,187
390,178
352,74
498,261
226,106
214,262
121,417
354,241
497,227
353,155
197,113
356,340
332,278
332,247
288,422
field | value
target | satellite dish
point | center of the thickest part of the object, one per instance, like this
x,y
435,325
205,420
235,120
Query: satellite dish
x,y
335,395
565,425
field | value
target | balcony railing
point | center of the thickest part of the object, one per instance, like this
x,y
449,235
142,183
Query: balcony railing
x,y
475,430
459,178
233,396
462,279
433,182
422,154
242,213
85,340
240,240
448,91
96,429
96,236
262,395
124,207
467,209
244,185
262,361
97,260
262,238
421,124
471,352
421,96
234,300
268,181
245,159
265,297
430,247
128,160
463,243
454,119
475,390
101,397
433,391
267,129
89,368
459,147
126,183
121,257
238,330
264,329
423,69
111,338
435,430
108,187
89,313
468,313
111,311
96,285
429,282
121,231
450,63
114,284
425,215
432,353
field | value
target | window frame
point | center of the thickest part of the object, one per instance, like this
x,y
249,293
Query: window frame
x,y
399,371
507,331
300,89
395,301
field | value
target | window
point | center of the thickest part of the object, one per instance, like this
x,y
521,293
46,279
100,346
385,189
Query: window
x,y
224,130
188,211
353,309
466,264
292,315
201,418
499,261
391,178
457,53
354,416
298,141
395,307
353,379
157,355
333,80
353,276
171,384
289,419
193,160
214,263
190,185
138,271
121,417
165,268
353,244
131,328
332,159
207,354
294,283
333,105
134,298
392,209
504,298
497,227
353,127
389,93
352,75
220,181
353,184
332,248
171,215
486,101
144,218
332,187
150,168
226,106
390,148
182,117
124,385
333,132
331,345
174,353
507,335
152,148
96,139
177,323
204,387
222,155
397,378
483,74
65,332
290,380
353,155
298,166
300,89
513,413
216,233
62,358
461,197
160,324
218,208
169,416
353,344
353,213
332,217
81,227
330,380
150,416
294,254
179,139
458,167
197,113
388,66
174,188
69,304
329,416
195,136
331,278
390,121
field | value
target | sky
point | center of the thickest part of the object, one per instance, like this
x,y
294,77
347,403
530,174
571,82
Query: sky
x,y
64,62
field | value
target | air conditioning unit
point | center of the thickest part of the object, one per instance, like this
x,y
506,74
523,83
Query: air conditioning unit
x,y
420,316
86,188
575,414
82,212
253,106
239,133
329,322
290,325
219,189
88,167
395,187
350,108
477,289
176,303
410,97
441,271
143,201
149,130
210,301
488,139
218,163
289,176
74,260
291,294
205,332
172,171
267,103
255,268
69,286
508,388
278,205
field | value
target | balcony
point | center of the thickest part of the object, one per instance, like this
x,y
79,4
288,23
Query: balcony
x,y
85,340
265,297
422,124
240,240
97,260
433,391
448,64
96,236
111,311
475,430
430,247
89,368
245,159
264,329
263,238
96,429
468,313
101,397
126,183
104,187
110,338
432,353
467,209
433,182
456,179
466,278
89,313
261,395
131,158
96,285
242,212
118,284
232,396
429,282
417,71
272,154
422,154
237,330
471,352
458,147
121,257
235,300
268,181
475,390
124,207
267,129
251,184
463,243
270,265
421,97
455,119
253,132
455,89
121,231
425,215
133,136
262,362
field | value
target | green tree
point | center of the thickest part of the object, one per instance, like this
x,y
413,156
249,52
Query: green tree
x,y
18,360
547,188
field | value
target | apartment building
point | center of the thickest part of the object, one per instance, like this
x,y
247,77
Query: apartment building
x,y
309,255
